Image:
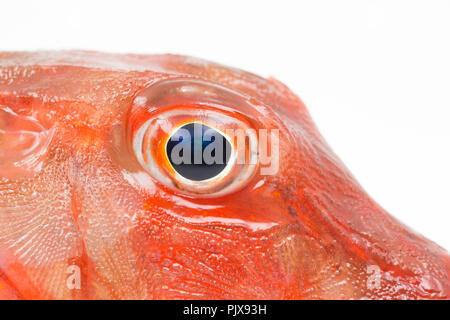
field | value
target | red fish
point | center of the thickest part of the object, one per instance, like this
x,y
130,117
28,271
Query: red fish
x,y
91,207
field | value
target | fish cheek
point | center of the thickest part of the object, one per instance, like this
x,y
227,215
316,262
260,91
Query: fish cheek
x,y
183,260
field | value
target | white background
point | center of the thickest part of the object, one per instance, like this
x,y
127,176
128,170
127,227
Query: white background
x,y
375,75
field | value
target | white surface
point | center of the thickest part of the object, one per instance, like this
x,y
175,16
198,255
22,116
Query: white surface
x,y
374,74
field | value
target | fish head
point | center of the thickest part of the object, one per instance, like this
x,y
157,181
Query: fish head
x,y
94,202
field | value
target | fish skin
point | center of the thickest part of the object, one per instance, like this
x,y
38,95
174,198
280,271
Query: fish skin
x,y
320,236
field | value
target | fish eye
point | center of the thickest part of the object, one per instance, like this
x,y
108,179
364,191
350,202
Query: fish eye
x,y
198,152
194,137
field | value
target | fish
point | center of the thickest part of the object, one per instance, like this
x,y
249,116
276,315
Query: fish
x,y
94,205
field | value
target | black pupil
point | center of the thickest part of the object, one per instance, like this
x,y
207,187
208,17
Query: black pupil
x,y
198,152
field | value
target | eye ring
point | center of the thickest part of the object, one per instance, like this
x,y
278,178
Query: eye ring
x,y
166,106
149,145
